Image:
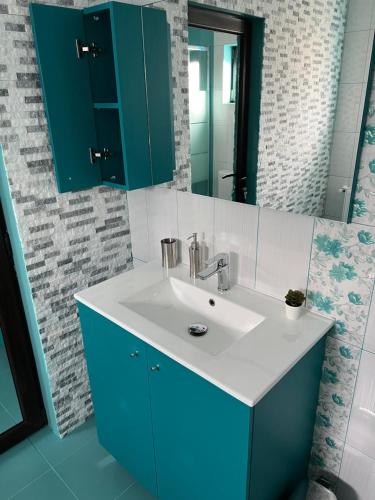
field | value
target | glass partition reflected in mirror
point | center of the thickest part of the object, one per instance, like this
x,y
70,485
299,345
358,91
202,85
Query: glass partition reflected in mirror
x,y
213,61
10,413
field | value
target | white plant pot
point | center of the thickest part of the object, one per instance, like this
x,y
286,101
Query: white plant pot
x,y
293,312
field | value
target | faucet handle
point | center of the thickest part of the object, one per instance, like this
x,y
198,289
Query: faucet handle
x,y
222,258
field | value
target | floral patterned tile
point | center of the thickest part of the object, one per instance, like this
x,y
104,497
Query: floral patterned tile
x,y
341,276
337,384
346,251
326,454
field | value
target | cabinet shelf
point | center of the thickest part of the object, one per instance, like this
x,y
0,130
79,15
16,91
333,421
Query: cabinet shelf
x,y
106,105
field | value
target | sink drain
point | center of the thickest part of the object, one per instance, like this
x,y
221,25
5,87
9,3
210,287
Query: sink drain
x,y
198,329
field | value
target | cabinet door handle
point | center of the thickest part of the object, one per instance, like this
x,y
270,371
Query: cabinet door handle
x,y
155,368
134,354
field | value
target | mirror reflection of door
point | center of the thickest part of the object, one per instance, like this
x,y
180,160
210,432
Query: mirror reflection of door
x,y
212,104
10,412
21,406
225,50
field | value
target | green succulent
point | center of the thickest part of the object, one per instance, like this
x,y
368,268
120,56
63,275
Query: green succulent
x,y
295,298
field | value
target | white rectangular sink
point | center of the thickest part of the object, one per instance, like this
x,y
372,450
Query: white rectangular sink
x,y
174,305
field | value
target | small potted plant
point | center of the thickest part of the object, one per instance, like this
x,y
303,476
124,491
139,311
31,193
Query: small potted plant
x,y
294,300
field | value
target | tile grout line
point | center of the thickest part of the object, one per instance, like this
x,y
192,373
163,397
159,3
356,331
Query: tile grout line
x,y
125,490
28,484
8,413
52,467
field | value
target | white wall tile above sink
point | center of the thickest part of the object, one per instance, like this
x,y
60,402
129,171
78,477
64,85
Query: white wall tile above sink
x,y
137,206
235,230
284,242
162,218
195,214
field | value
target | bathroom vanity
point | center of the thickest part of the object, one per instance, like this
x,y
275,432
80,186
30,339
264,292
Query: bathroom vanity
x,y
228,415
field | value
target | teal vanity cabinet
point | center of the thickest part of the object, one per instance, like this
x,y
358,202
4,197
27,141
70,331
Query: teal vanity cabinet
x,y
184,438
106,81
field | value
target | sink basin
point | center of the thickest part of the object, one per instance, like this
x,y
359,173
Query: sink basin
x,y
174,305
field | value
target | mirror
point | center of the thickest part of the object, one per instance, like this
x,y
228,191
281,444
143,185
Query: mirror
x,y
10,413
268,128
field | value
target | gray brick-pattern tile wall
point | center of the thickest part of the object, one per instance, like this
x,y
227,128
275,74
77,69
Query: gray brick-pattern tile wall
x,y
70,241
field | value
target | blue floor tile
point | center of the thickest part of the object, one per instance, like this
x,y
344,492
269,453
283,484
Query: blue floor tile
x,y
92,474
136,492
19,466
6,421
55,450
8,396
46,487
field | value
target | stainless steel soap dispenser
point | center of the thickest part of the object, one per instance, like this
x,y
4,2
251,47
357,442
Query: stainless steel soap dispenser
x,y
194,256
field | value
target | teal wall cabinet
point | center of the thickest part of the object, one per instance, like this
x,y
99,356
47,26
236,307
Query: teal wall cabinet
x,y
106,81
185,438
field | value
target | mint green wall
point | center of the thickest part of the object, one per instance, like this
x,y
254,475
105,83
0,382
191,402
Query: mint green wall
x,y
19,262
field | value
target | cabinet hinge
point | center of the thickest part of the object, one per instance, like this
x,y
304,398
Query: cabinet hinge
x,y
90,48
105,154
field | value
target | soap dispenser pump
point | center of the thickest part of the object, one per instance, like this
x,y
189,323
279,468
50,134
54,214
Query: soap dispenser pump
x,y
194,256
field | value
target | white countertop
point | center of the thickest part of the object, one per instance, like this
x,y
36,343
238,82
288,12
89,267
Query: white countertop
x,y
250,367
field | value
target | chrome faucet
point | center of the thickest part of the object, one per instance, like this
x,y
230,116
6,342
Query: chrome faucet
x,y
218,265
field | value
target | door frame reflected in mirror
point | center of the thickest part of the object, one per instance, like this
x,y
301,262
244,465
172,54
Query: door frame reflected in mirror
x,y
250,33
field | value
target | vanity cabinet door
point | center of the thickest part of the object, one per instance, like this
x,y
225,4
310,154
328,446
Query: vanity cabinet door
x,y
202,435
117,367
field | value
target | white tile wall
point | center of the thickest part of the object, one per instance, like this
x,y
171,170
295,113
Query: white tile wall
x,y
354,57
137,207
235,232
361,432
162,218
359,15
348,102
195,214
357,476
335,198
342,153
284,243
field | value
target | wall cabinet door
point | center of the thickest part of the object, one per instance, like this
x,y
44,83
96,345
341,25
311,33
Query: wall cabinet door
x,y
67,95
118,374
202,435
